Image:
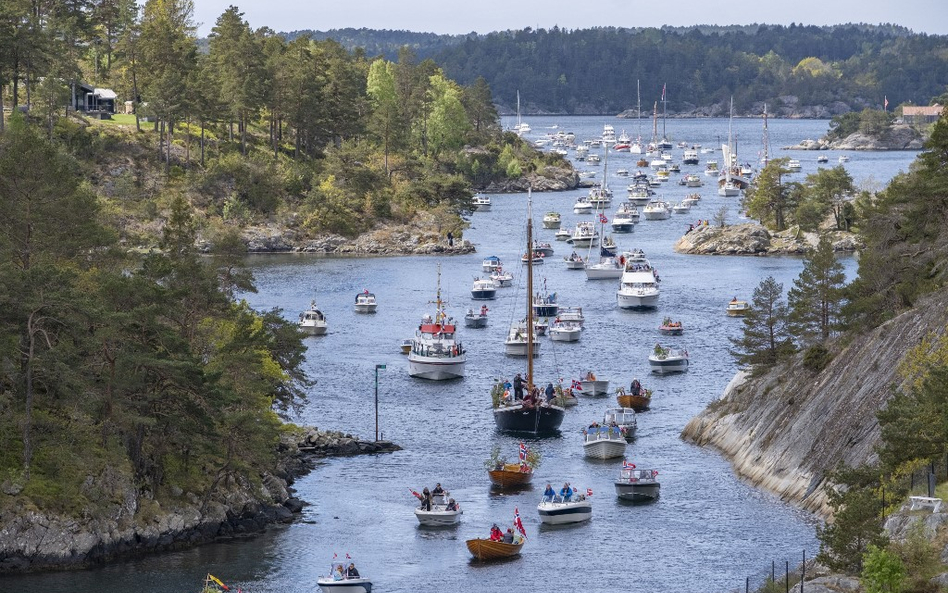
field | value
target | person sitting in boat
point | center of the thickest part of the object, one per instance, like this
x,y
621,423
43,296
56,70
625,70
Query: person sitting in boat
x,y
451,506
438,490
549,493
566,493
337,573
352,572
734,300
508,537
590,376
425,499
470,312
483,310
635,388
496,534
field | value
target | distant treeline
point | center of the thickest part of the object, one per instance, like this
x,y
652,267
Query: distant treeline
x,y
595,70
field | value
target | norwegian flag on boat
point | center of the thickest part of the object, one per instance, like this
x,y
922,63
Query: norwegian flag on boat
x,y
518,523
627,465
577,385
523,452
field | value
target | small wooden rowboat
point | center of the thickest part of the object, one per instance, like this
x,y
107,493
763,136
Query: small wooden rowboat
x,y
510,475
639,403
485,549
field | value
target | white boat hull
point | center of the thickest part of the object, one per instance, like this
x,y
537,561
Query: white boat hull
x,y
562,513
584,242
314,330
603,273
366,308
623,227
551,224
599,387
657,214
668,365
604,449
435,518
636,301
520,349
565,335
329,585
572,264
484,294
436,369
482,208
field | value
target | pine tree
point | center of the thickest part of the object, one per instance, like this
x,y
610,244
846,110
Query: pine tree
x,y
766,338
817,295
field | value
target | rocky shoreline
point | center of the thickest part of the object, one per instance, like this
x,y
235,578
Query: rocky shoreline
x,y
128,523
755,239
896,137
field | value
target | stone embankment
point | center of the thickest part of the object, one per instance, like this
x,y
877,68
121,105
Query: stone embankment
x,y
786,429
896,137
754,239
549,179
124,520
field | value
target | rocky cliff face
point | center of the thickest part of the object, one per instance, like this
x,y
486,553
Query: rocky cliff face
x,y
785,430
549,179
754,239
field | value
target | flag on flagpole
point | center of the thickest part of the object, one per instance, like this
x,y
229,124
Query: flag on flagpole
x,y
518,523
589,491
577,385
602,218
410,490
627,465
523,451
218,581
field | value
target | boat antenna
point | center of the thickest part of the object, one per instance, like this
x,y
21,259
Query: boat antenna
x,y
766,158
529,288
664,113
439,304
638,98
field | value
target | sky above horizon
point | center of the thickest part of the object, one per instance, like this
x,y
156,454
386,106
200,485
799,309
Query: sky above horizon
x,y
440,16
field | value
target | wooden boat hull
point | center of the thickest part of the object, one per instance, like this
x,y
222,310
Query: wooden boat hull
x,y
510,476
639,403
485,549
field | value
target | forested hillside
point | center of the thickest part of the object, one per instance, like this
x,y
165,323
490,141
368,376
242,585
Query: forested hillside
x,y
844,67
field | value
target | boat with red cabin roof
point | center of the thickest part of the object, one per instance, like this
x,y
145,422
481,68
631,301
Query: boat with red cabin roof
x,y
436,353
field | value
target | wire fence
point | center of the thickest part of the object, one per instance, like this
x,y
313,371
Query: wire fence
x,y
786,576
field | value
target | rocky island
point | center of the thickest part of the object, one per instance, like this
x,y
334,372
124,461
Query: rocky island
x,y
754,239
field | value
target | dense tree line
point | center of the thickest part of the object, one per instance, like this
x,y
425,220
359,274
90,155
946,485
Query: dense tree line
x,y
595,70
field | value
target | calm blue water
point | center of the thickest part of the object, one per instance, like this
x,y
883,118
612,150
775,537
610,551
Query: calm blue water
x,y
706,533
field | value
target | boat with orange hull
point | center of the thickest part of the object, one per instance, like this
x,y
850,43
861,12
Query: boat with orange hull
x,y
639,403
510,475
485,549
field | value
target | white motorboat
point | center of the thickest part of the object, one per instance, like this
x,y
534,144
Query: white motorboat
x,y
552,220
608,268
582,206
436,354
599,197
516,342
639,195
573,314
622,173
637,485
737,308
564,234
681,208
554,510
603,442
608,134
624,418
581,151
822,159
593,159
344,585
844,158
543,248
484,289
476,319
711,169
501,278
491,263
625,218
365,302
574,262
312,321
692,199
690,157
565,331
584,235
692,180
656,210
638,288
729,189
590,385
443,512
794,165
481,203
544,303
541,325
665,361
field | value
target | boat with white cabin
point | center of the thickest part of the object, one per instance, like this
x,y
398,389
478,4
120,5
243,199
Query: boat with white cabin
x,y
603,442
624,418
436,353
484,289
565,331
637,485
557,510
490,263
313,321
638,287
552,220
656,210
481,203
365,302
666,361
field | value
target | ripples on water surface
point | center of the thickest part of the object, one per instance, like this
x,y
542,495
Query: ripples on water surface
x,y
706,533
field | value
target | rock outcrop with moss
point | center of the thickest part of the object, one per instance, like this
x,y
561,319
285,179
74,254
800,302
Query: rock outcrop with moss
x,y
784,430
895,137
755,239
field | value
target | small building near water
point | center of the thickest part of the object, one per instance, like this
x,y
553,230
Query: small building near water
x,y
921,114
99,102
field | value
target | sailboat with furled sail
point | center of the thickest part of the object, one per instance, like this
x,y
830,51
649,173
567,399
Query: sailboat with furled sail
x,y
530,414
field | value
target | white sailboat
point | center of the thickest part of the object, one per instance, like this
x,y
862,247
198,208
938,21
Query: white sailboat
x,y
522,126
636,147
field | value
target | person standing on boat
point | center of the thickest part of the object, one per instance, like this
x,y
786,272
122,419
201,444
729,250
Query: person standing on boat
x,y
550,392
518,387
437,489
635,388
426,499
